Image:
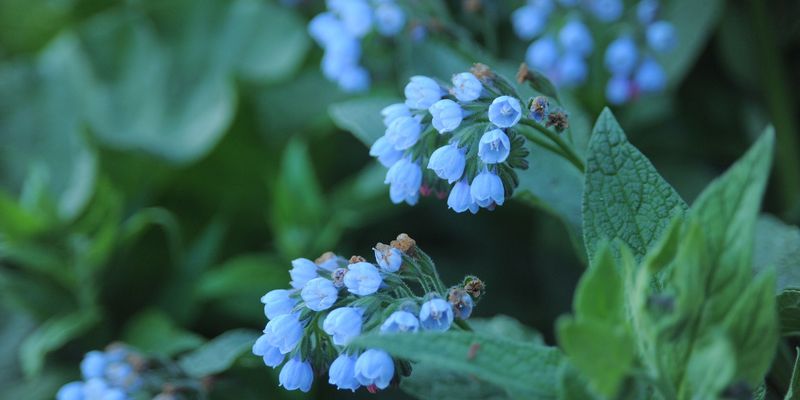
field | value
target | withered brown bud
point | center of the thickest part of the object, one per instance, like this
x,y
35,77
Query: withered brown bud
x,y
558,120
482,72
522,73
475,287
324,257
357,259
472,6
404,243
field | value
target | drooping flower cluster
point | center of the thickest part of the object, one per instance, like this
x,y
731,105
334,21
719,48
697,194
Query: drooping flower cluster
x,y
107,375
564,43
339,31
461,141
333,300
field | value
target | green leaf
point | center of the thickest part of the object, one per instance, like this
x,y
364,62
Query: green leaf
x,y
794,386
48,167
516,366
298,205
789,312
362,117
624,196
777,246
154,332
428,382
218,354
276,42
694,23
507,327
604,353
711,368
600,292
51,335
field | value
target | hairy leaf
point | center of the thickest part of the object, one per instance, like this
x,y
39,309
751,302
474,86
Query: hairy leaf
x,y
777,246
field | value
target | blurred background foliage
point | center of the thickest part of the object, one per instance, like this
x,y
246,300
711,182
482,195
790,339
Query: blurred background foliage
x,y
161,162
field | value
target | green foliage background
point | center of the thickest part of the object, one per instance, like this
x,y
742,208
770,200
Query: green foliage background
x,y
161,162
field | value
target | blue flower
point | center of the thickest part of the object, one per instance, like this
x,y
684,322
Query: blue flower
x,y
389,259
539,108
647,11
303,270
572,70
606,10
650,76
95,388
436,315
277,302
542,54
114,394
392,111
93,365
400,321
576,38
528,21
389,18
272,355
466,87
374,367
460,198
404,132
343,324
319,294
618,89
70,391
621,55
448,162
404,178
356,15
505,111
493,147
661,36
385,152
487,188
340,55
121,374
362,279
325,27
329,261
463,306
447,115
296,374
421,92
342,373
284,332
354,79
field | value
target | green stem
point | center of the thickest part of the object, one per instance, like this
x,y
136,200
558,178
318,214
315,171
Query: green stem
x,y
563,148
779,101
463,325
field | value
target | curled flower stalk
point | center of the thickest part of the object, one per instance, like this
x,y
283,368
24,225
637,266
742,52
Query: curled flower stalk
x,y
311,326
464,140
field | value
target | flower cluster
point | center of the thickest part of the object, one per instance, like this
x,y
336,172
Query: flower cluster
x,y
461,141
564,43
107,375
333,300
339,31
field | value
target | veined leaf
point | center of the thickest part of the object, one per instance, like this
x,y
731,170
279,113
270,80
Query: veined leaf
x,y
624,196
515,366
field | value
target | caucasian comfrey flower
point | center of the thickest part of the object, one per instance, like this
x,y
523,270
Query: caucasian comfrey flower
x,y
339,31
311,329
563,42
464,141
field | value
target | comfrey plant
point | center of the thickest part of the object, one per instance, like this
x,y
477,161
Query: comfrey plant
x,y
339,31
122,373
564,43
463,141
332,301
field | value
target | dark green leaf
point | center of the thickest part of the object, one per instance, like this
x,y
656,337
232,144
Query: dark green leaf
x,y
794,386
427,382
600,292
789,312
516,366
624,196
362,117
51,335
218,354
777,246
154,332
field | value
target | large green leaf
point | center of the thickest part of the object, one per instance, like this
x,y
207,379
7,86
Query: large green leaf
x,y
428,382
600,292
519,367
362,117
45,163
777,246
154,332
51,335
218,354
624,196
789,312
